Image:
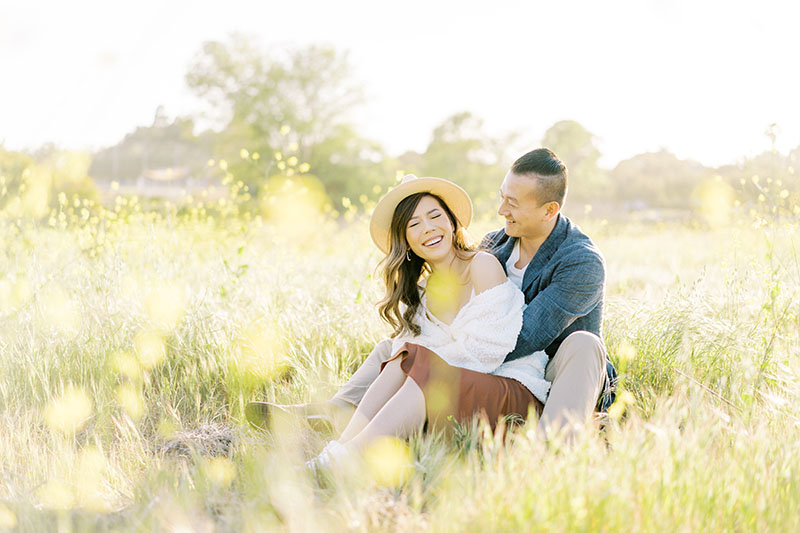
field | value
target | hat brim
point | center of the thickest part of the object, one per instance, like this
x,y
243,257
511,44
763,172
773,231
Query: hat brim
x,y
456,198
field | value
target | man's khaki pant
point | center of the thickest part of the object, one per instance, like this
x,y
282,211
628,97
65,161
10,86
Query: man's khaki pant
x,y
577,373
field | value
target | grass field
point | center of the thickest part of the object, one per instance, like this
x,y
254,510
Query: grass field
x,y
130,342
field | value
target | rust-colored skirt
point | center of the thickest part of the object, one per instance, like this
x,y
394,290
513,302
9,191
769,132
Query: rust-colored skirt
x,y
462,394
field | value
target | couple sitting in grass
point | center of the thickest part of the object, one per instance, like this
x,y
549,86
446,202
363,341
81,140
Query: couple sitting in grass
x,y
506,329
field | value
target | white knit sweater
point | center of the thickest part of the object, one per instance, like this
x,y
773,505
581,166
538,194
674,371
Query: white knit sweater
x,y
483,332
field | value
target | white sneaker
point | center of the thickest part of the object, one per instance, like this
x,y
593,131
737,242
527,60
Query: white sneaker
x,y
333,454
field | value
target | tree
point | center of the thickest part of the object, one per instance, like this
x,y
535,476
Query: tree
x,y
460,150
289,102
576,146
351,166
658,179
30,184
768,180
161,145
14,169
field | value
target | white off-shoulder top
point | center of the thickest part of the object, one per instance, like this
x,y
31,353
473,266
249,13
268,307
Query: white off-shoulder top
x,y
483,332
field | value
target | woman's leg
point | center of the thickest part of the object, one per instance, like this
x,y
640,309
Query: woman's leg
x,y
382,389
400,416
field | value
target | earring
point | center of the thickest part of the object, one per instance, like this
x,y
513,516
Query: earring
x,y
408,257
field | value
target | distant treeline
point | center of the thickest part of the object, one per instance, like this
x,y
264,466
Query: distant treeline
x,y
285,113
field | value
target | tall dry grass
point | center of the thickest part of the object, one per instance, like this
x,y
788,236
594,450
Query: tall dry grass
x,y
130,342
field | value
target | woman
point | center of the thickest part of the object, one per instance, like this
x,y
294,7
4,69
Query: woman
x,y
455,316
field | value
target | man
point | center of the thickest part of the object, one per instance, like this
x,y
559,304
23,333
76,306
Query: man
x,y
562,275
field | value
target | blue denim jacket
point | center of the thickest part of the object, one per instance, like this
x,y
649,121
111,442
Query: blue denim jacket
x,y
564,286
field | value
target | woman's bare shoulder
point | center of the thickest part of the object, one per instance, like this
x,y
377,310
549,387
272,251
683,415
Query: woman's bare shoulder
x,y
486,272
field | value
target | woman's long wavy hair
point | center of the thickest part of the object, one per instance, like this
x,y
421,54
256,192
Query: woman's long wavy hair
x,y
401,272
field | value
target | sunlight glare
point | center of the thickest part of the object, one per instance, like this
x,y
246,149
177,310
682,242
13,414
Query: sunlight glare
x,y
165,305
92,466
150,348
69,412
59,310
56,495
8,520
388,461
442,289
716,200
130,399
220,471
128,366
262,352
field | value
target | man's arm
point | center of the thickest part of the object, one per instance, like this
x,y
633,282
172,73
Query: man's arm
x,y
576,288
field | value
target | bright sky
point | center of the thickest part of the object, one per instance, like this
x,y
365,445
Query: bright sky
x,y
701,78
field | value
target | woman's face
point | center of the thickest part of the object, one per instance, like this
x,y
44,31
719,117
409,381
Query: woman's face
x,y
429,231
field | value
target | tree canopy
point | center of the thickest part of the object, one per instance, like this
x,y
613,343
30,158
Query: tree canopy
x,y
577,147
284,104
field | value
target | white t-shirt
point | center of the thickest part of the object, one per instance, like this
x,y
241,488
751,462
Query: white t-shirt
x,y
515,274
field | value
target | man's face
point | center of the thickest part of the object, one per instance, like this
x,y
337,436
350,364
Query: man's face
x,y
525,215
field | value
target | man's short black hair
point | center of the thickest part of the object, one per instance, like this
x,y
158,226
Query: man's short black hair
x,y
548,170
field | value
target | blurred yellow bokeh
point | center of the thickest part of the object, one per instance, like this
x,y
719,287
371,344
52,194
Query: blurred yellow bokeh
x,y
34,200
8,520
69,412
220,471
130,399
626,351
89,483
13,295
620,405
56,495
716,199
150,348
131,288
128,366
262,353
388,461
165,305
59,310
167,428
297,204
440,398
442,291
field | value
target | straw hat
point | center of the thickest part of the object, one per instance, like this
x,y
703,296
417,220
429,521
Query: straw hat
x,y
454,196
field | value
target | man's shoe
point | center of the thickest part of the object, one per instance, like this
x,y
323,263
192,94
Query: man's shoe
x,y
321,423
258,414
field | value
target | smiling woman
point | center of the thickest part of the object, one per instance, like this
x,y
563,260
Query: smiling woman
x,y
430,228
425,234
